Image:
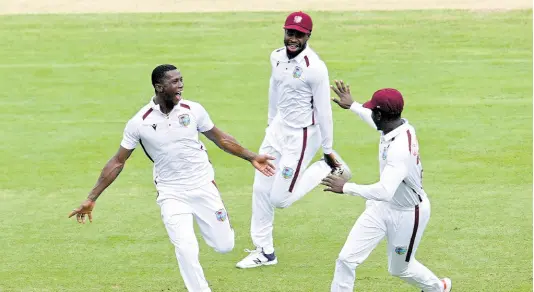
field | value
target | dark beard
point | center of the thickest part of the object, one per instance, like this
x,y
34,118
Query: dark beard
x,y
292,55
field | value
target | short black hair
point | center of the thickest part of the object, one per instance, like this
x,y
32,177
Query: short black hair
x,y
159,72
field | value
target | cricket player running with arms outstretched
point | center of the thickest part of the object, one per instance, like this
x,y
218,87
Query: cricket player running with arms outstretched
x,y
397,207
168,128
299,123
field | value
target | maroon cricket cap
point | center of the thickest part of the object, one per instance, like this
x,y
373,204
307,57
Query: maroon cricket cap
x,y
388,100
299,21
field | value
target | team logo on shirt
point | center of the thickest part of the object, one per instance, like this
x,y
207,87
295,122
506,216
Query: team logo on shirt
x,y
221,215
287,172
154,126
400,250
184,120
297,72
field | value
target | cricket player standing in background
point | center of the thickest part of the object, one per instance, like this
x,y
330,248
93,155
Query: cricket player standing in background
x,y
299,123
168,128
397,206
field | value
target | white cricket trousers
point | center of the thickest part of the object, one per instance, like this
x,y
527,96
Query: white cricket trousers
x,y
293,148
403,229
178,209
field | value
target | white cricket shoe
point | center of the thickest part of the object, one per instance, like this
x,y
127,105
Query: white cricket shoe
x,y
447,284
344,170
257,258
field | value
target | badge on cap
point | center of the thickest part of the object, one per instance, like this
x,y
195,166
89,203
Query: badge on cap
x,y
297,19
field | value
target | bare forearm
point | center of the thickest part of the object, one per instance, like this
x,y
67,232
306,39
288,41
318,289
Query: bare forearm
x,y
230,145
108,175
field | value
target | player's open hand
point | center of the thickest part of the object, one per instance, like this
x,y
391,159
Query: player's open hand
x,y
85,209
334,183
343,92
262,163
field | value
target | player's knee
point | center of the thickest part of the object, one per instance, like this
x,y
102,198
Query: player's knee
x,y
349,259
280,203
281,200
398,271
345,260
183,247
225,246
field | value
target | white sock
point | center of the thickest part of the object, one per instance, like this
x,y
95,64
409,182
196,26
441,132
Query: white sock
x,y
268,250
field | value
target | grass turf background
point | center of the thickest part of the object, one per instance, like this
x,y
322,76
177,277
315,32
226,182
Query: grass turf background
x,y
70,83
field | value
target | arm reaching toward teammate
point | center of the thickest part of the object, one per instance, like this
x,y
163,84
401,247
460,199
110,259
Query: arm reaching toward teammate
x,y
230,145
381,191
346,101
109,173
391,177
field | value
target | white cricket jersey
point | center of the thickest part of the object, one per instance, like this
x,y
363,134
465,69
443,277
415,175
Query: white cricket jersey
x,y
401,170
172,143
299,93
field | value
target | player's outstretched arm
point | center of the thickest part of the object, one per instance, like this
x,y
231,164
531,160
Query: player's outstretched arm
x,y
391,177
109,173
346,101
230,145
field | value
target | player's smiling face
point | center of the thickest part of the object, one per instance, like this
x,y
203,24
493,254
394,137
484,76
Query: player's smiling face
x,y
295,41
172,85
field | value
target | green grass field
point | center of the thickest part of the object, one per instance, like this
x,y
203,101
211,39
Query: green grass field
x,y
70,83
